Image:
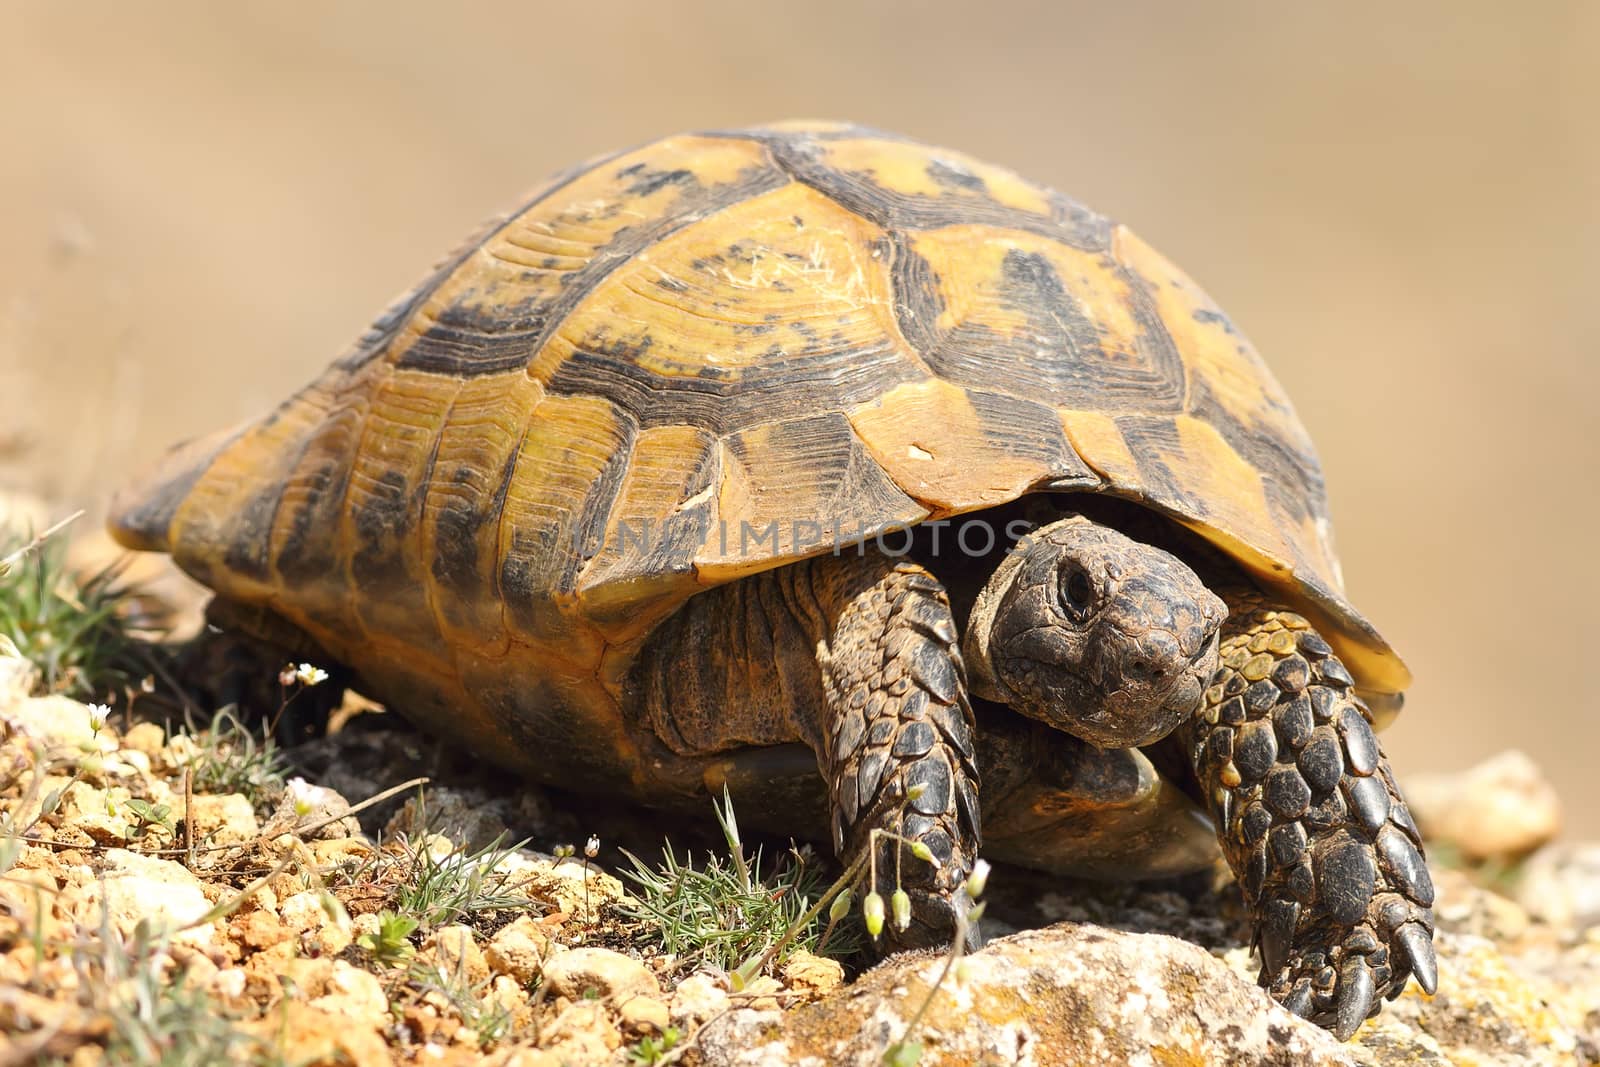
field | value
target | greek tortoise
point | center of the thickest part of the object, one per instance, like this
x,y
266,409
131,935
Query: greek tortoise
x,y
643,490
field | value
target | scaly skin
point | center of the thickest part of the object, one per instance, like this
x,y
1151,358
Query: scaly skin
x,y
1310,819
898,719
858,657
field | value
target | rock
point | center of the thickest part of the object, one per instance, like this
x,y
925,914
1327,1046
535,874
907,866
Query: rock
x,y
356,994
761,993
699,997
1461,906
62,723
259,929
1487,1010
566,885
228,983
476,818
644,1015
518,949
305,978
582,1033
318,918
578,971
305,805
454,951
812,976
303,912
146,737
132,887
1068,994
1561,885
1502,809
341,852
300,1033
223,819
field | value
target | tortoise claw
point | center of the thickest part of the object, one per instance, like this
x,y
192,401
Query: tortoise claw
x,y
1354,998
1277,934
1418,946
1299,1001
1313,824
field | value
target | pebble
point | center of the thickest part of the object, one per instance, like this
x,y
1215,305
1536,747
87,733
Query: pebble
x,y
454,950
644,1014
518,949
697,998
611,974
1560,884
1502,809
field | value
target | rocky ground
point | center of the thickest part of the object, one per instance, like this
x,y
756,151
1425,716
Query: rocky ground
x,y
183,896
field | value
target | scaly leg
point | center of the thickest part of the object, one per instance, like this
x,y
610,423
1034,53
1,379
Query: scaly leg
x,y
1311,821
897,735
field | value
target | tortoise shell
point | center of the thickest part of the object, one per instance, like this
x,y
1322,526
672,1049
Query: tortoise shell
x,y
710,356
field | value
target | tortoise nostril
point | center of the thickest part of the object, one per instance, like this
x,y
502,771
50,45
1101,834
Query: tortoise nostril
x,y
1144,670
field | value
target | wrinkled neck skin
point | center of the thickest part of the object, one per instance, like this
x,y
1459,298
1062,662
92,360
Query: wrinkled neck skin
x,y
1095,634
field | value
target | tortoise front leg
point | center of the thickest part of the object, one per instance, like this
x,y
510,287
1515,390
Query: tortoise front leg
x,y
897,748
1311,821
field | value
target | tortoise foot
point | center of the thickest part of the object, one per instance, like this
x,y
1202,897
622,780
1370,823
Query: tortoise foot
x,y
1313,824
899,754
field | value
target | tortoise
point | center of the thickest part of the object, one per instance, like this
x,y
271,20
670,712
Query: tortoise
x,y
845,473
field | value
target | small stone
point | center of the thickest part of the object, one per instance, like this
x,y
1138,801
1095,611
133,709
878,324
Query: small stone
x,y
340,851
354,993
644,1015
303,912
138,887
303,1033
1502,809
599,970
698,998
145,737
223,819
1561,885
304,805
228,983
258,929
568,885
518,949
454,950
761,994
815,976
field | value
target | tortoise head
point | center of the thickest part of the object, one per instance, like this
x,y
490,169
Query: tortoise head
x,y
1095,634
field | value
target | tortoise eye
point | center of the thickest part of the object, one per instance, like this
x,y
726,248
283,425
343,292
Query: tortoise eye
x,y
1077,594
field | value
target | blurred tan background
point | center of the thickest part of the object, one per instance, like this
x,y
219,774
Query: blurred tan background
x,y
201,204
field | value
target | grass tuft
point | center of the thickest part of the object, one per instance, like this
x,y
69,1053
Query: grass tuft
x,y
69,626
232,759
440,890
726,912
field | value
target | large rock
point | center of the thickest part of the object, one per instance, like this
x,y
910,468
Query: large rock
x,y
1072,993
1501,809
1561,885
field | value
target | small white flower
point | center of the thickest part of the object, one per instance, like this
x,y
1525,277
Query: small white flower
x,y
592,848
303,795
287,675
310,675
98,713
